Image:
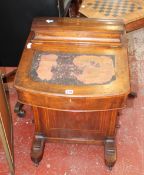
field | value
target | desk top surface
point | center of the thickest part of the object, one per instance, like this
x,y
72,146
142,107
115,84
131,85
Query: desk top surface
x,y
75,67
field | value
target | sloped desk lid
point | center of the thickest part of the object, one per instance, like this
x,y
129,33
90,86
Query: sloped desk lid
x,y
73,69
80,68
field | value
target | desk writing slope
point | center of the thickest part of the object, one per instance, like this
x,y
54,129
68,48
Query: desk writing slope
x,y
74,73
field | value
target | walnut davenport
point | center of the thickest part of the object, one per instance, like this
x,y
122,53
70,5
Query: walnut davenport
x,y
74,74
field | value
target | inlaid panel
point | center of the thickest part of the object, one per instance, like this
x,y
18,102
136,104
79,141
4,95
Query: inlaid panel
x,y
88,125
73,69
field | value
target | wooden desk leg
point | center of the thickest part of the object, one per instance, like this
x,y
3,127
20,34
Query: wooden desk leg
x,y
37,148
132,95
110,152
18,110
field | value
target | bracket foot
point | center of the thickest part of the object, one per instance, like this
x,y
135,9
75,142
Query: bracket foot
x,y
110,152
37,149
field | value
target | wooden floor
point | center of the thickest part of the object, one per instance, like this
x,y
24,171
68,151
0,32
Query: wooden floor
x,y
74,159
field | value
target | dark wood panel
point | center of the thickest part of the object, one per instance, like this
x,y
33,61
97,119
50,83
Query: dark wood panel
x,y
75,75
64,124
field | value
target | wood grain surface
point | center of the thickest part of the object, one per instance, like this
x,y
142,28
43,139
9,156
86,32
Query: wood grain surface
x,y
130,11
67,111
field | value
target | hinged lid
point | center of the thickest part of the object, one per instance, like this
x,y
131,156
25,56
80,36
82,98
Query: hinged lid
x,y
69,30
73,59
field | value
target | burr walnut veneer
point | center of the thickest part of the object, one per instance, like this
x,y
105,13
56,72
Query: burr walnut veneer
x,y
74,73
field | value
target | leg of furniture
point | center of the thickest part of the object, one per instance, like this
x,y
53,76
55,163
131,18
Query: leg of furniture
x,y
18,110
9,74
110,152
18,107
37,148
77,92
132,95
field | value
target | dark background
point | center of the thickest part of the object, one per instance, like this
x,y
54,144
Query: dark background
x,y
16,19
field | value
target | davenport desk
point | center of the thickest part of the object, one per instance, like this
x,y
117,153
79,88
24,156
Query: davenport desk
x,y
74,74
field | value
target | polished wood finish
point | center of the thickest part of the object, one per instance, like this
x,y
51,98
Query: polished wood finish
x,y
88,114
135,25
131,12
37,149
110,152
75,125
